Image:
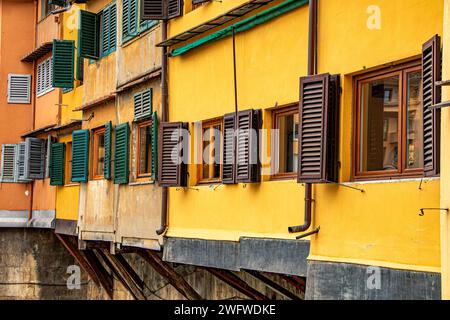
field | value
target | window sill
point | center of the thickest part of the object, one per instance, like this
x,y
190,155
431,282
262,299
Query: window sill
x,y
71,185
44,92
131,39
394,180
282,177
141,183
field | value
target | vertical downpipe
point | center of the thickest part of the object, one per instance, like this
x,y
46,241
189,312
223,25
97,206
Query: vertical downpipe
x,y
164,118
312,69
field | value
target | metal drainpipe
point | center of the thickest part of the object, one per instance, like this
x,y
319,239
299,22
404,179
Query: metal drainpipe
x,y
164,117
312,69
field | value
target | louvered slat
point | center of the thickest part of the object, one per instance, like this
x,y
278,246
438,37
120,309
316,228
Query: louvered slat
x,y
175,8
154,146
19,88
34,158
57,155
108,150
9,163
431,73
21,149
228,166
88,36
63,63
121,158
80,156
152,9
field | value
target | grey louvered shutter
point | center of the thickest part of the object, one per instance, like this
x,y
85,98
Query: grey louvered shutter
x,y
88,35
247,166
143,104
152,9
318,128
228,150
20,157
172,164
175,8
9,168
431,68
34,158
50,141
19,88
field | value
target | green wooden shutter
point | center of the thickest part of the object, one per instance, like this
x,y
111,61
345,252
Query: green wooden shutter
x,y
63,63
57,164
80,156
129,19
108,30
121,142
88,35
154,146
108,144
112,27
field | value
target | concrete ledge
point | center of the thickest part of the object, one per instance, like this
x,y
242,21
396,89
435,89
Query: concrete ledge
x,y
269,255
344,281
67,227
44,219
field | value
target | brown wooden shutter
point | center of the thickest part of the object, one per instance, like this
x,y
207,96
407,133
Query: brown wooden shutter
x,y
318,129
161,9
247,166
228,155
431,68
172,173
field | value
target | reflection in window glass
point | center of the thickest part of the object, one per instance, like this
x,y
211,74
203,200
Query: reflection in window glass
x,y
100,166
287,142
211,151
414,124
145,150
379,124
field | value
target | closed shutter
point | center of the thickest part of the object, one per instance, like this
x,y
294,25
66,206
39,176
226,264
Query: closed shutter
x,y
247,146
171,160
44,79
143,104
20,157
431,68
80,156
88,35
161,9
9,163
61,3
228,156
34,158
154,146
63,63
108,153
112,27
19,88
57,155
40,79
318,128
121,153
199,1
108,30
129,19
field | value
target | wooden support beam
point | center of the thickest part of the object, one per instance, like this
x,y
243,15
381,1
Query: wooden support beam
x,y
290,279
166,270
125,274
104,276
237,283
71,246
273,285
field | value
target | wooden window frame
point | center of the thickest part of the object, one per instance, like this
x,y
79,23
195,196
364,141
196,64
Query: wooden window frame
x,y
209,124
291,109
402,172
67,167
139,126
95,133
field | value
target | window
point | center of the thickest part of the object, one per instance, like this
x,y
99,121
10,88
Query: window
x,y
19,88
98,168
211,144
44,79
130,17
285,149
389,124
68,163
144,151
46,8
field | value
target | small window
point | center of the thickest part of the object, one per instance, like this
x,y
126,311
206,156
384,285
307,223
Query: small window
x,y
44,79
389,124
68,165
19,88
46,8
211,144
285,148
98,169
144,150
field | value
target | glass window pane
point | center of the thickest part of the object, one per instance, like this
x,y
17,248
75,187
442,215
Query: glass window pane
x,y
216,151
100,154
145,150
414,125
379,125
206,153
287,143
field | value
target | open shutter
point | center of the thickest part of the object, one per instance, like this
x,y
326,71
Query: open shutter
x,y
199,1
108,144
57,155
319,111
154,146
9,163
247,146
129,19
172,168
228,156
20,157
80,156
112,27
50,141
121,150
161,9
431,68
63,63
88,35
19,88
34,158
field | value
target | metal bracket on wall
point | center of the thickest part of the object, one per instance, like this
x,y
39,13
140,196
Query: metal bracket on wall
x,y
88,119
422,211
308,233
